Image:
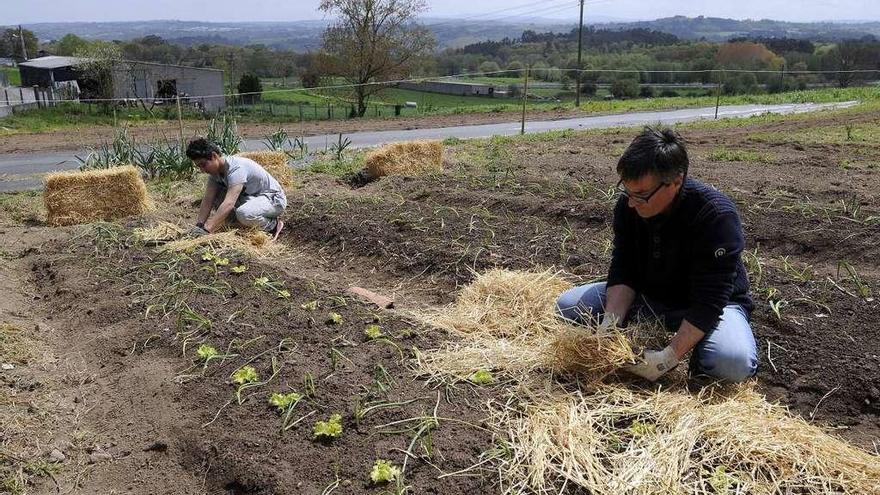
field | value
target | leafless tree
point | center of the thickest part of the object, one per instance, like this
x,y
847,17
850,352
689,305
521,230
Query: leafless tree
x,y
373,41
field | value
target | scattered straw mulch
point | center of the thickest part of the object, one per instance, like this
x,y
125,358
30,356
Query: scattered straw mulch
x,y
509,325
276,163
609,439
411,159
170,237
615,440
83,197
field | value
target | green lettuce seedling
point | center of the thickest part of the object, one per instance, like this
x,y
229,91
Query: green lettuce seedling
x,y
334,319
283,294
331,428
221,261
245,374
284,401
310,306
384,472
239,269
207,256
720,481
641,429
206,352
373,332
482,377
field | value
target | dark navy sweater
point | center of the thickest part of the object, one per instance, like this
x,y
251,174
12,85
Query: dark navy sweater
x,y
687,258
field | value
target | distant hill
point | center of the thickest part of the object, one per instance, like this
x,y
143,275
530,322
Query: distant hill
x,y
718,29
299,35
451,33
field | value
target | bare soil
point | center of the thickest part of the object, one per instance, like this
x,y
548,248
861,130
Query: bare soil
x,y
125,384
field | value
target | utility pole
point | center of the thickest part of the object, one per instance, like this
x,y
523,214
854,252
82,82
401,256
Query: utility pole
x,y
525,99
580,52
23,47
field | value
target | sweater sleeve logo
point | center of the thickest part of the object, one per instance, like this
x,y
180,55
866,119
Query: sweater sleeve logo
x,y
720,252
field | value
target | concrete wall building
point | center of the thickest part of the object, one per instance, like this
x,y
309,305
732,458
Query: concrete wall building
x,y
151,81
146,81
450,88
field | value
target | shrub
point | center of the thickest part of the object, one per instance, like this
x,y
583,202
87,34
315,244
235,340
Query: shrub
x,y
310,79
589,88
625,88
250,88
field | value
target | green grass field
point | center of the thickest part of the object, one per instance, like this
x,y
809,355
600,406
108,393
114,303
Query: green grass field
x,y
13,75
284,107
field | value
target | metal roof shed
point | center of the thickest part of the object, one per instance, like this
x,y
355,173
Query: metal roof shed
x,y
46,71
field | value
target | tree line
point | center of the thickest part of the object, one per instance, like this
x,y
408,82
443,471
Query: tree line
x,y
379,40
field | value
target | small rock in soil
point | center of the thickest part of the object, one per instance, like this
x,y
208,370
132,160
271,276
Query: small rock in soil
x,y
99,455
157,447
8,366
57,456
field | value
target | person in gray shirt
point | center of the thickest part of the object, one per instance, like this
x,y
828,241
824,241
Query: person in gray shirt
x,y
236,184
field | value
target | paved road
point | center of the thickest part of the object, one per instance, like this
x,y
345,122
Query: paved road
x,y
20,172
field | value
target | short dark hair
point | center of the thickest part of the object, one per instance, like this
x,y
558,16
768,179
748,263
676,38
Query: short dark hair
x,y
654,151
199,148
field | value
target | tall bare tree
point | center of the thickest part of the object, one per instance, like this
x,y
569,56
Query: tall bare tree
x,y
99,62
373,41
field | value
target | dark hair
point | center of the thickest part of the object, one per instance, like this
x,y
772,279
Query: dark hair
x,y
654,151
199,148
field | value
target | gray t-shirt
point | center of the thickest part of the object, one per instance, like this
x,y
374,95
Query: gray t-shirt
x,y
257,182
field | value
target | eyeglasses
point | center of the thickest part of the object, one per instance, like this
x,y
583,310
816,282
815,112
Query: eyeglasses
x,y
638,199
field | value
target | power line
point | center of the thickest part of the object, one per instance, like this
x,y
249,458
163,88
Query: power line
x,y
489,14
547,8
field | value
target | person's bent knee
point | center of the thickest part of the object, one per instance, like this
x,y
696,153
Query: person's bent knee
x,y
566,310
247,219
731,367
571,304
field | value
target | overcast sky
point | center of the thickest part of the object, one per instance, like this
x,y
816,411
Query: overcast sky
x,y
30,11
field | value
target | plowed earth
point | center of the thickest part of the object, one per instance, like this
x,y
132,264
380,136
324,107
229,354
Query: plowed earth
x,y
116,389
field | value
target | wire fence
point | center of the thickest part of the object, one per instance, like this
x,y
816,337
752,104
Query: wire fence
x,y
337,102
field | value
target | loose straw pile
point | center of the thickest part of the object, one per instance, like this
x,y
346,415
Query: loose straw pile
x,y
254,243
616,440
509,325
609,439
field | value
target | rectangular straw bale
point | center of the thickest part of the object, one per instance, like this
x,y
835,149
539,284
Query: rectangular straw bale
x,y
412,158
275,162
82,197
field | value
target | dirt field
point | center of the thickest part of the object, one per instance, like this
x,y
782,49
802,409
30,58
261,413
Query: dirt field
x,y
102,331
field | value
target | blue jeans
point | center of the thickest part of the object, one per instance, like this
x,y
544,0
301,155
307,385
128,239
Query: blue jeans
x,y
727,352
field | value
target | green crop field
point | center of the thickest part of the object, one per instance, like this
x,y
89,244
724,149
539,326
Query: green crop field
x,y
12,74
290,106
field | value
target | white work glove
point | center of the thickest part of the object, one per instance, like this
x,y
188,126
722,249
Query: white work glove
x,y
654,364
609,323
